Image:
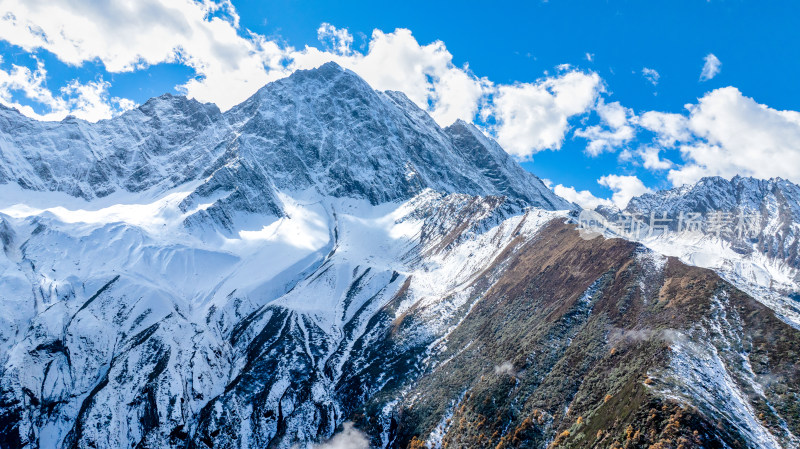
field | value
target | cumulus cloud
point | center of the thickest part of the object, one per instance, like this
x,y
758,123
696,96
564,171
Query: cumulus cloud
x,y
711,67
89,101
531,117
651,75
624,188
669,128
619,126
614,131
651,158
724,134
583,198
349,438
202,35
736,135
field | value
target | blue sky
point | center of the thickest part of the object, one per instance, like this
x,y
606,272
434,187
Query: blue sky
x,y
604,84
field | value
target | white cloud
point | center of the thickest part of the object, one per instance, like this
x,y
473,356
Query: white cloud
x,y
127,36
532,117
619,126
651,158
564,67
651,75
711,67
590,57
735,135
583,198
349,438
89,101
624,187
669,128
614,131
724,134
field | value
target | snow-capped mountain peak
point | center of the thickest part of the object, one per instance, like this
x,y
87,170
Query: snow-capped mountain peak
x,y
323,129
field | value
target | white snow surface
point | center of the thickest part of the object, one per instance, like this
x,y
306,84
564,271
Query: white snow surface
x,y
193,287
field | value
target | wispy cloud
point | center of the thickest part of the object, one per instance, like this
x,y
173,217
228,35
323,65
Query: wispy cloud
x,y
651,75
711,67
349,438
505,368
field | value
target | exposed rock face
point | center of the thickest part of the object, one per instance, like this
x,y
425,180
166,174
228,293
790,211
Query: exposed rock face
x,y
324,253
165,142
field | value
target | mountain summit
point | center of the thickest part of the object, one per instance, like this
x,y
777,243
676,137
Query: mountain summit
x,y
323,129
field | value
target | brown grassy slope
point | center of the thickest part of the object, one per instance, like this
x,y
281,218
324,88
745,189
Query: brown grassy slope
x,y
558,353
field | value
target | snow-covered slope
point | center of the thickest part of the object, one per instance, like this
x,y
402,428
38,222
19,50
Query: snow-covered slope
x,y
176,269
142,330
765,262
